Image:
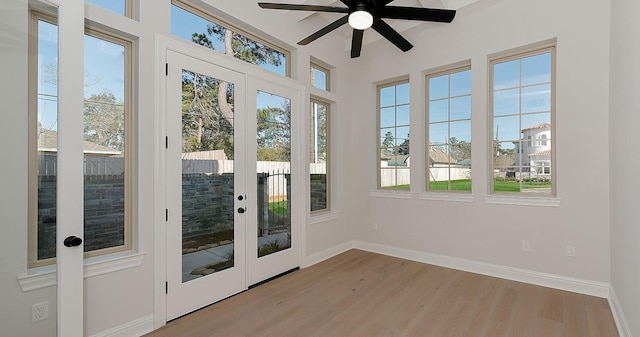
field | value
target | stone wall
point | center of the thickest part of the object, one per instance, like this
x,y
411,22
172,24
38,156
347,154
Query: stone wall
x,y
318,192
103,213
207,203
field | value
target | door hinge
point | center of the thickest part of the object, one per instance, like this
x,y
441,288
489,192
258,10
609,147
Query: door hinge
x,y
166,142
166,288
166,214
166,69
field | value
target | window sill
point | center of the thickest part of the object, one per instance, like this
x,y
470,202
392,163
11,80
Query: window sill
x,y
446,196
523,201
42,277
319,217
393,194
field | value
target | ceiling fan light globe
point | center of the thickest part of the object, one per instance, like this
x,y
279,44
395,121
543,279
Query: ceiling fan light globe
x,y
360,20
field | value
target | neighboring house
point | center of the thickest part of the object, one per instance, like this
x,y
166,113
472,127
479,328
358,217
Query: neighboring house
x,y
48,143
98,159
535,150
437,158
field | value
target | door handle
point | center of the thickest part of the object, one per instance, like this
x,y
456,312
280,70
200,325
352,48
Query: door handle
x,y
72,241
242,210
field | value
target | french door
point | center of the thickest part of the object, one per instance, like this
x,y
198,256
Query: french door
x,y
228,182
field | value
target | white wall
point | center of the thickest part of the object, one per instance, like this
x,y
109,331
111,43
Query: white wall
x,y
477,230
625,179
15,306
112,299
116,299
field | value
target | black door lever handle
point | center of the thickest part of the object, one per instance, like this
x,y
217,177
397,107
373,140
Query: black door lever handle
x,y
72,241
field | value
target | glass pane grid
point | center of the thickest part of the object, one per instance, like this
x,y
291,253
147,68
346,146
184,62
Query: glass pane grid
x,y
522,161
448,169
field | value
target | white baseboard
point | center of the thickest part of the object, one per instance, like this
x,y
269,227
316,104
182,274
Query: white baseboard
x,y
598,289
134,328
327,253
618,315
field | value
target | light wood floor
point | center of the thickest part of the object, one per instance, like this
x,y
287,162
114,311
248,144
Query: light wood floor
x,y
359,293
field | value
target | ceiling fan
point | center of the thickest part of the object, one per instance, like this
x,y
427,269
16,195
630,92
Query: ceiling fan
x,y
362,14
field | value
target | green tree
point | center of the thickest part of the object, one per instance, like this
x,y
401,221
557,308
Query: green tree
x,y
403,148
207,103
274,134
204,126
460,150
387,144
104,120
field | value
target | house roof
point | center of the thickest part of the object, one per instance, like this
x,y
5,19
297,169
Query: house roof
x,y
541,154
538,126
48,142
439,156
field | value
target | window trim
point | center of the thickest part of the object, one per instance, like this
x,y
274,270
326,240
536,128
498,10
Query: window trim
x,y
447,70
516,198
379,87
201,12
129,11
130,143
327,72
328,162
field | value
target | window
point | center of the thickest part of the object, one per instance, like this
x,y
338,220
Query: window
x,y
449,129
197,26
522,90
122,7
319,77
319,157
106,147
393,140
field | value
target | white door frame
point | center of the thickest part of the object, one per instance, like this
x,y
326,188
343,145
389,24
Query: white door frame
x,y
69,260
164,44
188,296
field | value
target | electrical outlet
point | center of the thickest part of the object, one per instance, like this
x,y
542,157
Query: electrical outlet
x,y
571,251
375,226
526,246
39,311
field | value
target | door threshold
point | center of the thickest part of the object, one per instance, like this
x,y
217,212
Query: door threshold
x,y
273,278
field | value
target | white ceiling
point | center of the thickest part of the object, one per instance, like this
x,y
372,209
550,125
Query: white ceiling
x,y
346,31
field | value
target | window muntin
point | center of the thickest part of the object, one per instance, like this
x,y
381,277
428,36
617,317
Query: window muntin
x,y
197,26
319,157
122,7
107,121
522,130
319,77
393,136
449,129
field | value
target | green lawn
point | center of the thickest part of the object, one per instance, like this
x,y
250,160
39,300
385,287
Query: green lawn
x,y
499,185
279,207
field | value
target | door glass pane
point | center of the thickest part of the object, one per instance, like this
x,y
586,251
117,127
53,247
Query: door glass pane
x,y
104,144
47,139
207,175
273,173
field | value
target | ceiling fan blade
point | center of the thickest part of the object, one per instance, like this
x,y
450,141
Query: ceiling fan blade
x,y
311,8
356,43
378,4
391,34
414,13
330,27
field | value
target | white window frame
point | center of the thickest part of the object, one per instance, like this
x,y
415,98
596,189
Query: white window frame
x,y
198,11
33,261
446,71
379,188
328,160
517,198
324,70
